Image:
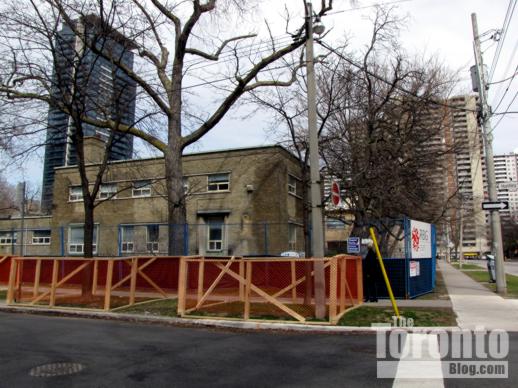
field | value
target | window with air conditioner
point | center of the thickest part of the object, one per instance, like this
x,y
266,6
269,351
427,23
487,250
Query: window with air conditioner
x,y
215,234
76,240
127,239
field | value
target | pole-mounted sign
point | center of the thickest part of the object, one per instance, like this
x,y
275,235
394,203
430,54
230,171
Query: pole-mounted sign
x,y
495,205
335,193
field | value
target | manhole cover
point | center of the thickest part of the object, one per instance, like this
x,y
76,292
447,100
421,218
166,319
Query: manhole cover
x,y
56,369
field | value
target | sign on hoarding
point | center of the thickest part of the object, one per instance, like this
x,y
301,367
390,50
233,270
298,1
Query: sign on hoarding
x,y
421,240
415,269
353,245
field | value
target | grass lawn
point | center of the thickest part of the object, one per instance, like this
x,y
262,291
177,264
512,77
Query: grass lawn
x,y
440,291
163,307
422,316
467,266
483,277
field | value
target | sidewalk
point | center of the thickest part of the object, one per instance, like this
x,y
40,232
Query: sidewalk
x,y
475,305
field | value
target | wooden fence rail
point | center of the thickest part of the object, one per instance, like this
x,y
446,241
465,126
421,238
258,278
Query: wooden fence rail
x,y
340,297
137,265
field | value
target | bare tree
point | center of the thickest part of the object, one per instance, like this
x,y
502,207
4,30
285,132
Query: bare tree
x,y
387,142
7,198
161,70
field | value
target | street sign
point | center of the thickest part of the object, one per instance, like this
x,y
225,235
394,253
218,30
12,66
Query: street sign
x,y
335,193
511,186
495,205
353,245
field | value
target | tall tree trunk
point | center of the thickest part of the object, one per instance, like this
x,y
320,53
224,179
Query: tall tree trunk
x,y
88,239
176,212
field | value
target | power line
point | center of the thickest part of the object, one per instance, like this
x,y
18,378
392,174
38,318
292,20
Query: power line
x,y
506,112
506,90
368,6
505,79
505,28
380,78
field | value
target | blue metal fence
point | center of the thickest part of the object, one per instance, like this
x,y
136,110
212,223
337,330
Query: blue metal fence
x,y
406,285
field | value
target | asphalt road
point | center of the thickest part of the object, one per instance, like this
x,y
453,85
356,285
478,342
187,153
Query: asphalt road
x,y
119,354
511,267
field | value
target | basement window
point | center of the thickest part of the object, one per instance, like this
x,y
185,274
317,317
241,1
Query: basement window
x,y
41,237
7,238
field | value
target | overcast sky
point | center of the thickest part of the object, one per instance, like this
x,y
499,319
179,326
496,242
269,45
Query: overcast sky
x,y
436,27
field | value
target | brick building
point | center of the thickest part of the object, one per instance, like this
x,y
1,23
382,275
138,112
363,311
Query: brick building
x,y
242,201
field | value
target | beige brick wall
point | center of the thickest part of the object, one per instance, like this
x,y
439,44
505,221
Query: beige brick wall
x,y
257,201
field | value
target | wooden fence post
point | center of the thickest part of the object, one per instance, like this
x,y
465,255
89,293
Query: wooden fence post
x,y
333,277
95,277
53,285
246,314
12,281
37,273
182,286
133,281
108,286
293,281
201,277
343,281
241,286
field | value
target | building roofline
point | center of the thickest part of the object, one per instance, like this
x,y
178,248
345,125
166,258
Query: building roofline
x,y
228,150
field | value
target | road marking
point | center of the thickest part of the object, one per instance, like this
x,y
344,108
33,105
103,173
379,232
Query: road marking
x,y
420,354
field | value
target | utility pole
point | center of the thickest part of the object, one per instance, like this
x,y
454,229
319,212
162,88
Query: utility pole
x,y
21,201
496,231
317,235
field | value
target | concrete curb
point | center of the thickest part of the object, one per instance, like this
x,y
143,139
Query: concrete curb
x,y
214,323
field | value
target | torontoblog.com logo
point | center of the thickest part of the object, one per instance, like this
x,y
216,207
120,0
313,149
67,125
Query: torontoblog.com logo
x,y
439,354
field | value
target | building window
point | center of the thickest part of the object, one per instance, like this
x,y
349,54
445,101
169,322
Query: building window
x,y
152,238
75,194
108,191
41,237
76,240
127,239
292,236
218,182
7,238
142,188
215,235
292,184
333,223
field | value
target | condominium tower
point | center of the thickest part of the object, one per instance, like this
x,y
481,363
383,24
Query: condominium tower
x,y
96,87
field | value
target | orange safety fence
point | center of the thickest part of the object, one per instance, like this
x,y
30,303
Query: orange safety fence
x,y
100,283
266,288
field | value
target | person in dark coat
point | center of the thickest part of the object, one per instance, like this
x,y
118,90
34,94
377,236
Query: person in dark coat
x,y
370,267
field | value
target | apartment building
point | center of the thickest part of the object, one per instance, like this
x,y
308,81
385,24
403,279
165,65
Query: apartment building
x,y
506,174
106,92
470,176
